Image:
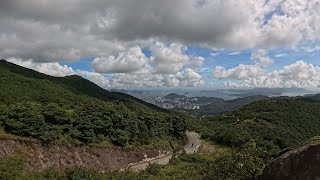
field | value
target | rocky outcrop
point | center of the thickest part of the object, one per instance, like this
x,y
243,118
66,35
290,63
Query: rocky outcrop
x,y
298,164
42,156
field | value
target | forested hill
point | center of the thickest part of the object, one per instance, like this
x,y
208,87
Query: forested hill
x,y
273,124
76,85
73,109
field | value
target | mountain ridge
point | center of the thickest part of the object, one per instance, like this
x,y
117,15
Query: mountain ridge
x,y
78,85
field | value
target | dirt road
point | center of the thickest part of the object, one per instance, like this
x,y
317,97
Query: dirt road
x,y
191,147
193,144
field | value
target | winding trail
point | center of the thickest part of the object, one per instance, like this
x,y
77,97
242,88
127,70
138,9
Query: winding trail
x,y
191,147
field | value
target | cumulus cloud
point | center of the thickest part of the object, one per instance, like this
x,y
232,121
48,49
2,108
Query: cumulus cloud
x,y
240,72
261,59
144,77
168,59
125,62
197,62
190,78
97,78
299,74
168,66
53,69
115,31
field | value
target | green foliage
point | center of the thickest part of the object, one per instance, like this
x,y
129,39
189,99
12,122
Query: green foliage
x,y
220,105
74,110
10,167
24,120
243,165
80,174
153,169
273,124
89,123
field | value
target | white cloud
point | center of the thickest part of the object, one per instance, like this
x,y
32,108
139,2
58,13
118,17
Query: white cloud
x,y
168,59
197,62
299,74
190,78
172,58
280,55
234,53
45,32
97,78
187,78
310,49
202,70
111,29
214,54
125,62
53,69
240,72
261,57
143,77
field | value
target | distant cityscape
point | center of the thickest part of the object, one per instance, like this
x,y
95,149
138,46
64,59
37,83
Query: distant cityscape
x,y
180,102
202,100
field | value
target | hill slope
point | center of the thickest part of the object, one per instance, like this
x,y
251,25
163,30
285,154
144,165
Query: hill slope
x,y
219,105
76,85
273,124
73,109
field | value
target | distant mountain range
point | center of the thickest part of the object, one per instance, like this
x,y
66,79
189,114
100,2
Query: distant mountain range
x,y
204,106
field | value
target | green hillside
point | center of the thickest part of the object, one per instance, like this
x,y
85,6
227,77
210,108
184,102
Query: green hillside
x,y
77,85
74,110
273,124
217,105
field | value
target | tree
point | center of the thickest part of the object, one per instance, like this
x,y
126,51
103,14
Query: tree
x,y
24,120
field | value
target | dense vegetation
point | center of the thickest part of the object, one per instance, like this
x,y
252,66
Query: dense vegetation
x,y
273,124
220,105
65,110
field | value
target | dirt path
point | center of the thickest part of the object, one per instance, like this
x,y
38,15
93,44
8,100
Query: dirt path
x,y
193,144
191,147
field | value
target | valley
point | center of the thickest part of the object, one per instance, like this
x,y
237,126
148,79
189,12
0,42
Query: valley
x,y
69,127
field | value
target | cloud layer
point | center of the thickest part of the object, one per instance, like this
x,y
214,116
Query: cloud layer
x,y
299,75
39,34
44,31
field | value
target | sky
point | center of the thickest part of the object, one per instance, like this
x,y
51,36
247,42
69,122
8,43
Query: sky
x,y
167,44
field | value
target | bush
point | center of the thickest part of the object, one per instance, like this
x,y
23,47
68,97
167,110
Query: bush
x,y
10,167
153,169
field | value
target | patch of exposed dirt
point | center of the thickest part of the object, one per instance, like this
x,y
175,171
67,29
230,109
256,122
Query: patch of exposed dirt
x,y
208,148
42,156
